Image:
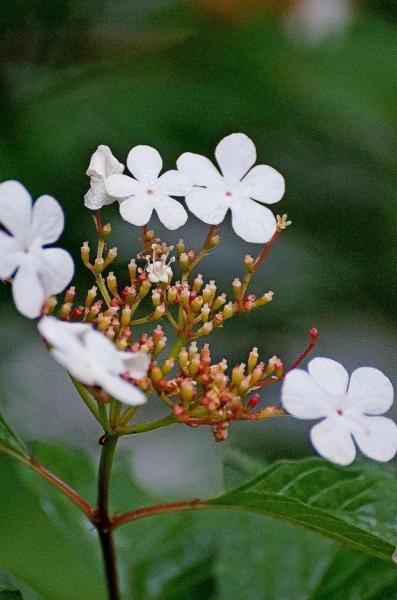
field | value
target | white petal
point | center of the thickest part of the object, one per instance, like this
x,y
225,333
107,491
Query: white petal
x,y
122,186
370,391
174,183
235,154
330,375
137,209
27,289
96,197
15,209
376,437
170,212
102,353
332,439
135,363
59,333
208,205
75,363
263,183
302,397
10,255
199,168
56,270
252,222
47,220
103,163
145,163
122,390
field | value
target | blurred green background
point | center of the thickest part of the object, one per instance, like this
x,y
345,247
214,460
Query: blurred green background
x,y
313,82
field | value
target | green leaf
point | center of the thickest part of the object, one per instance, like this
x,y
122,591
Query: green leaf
x,y
355,506
9,439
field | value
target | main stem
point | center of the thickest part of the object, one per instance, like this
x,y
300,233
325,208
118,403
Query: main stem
x,y
103,520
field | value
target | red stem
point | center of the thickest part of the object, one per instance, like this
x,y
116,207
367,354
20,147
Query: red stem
x,y
313,342
98,222
63,487
140,513
266,249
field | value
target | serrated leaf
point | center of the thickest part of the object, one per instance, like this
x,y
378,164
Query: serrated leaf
x,y
351,505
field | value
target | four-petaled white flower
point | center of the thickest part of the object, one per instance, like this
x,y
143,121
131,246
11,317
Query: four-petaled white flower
x,y
102,164
36,271
160,270
147,191
92,359
348,409
237,188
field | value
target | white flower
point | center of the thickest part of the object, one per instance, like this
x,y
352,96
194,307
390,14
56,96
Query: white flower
x,y
37,271
147,192
102,164
92,359
160,270
347,409
236,188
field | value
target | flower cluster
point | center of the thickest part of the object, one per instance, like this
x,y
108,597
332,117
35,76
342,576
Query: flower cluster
x,y
97,336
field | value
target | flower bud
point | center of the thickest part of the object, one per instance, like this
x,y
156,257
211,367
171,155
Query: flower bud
x,y
196,304
265,299
236,284
228,311
205,311
197,283
249,263
168,366
180,247
155,373
257,373
125,316
144,289
212,242
132,270
205,329
194,365
156,297
252,359
172,294
70,294
217,320
209,292
112,284
65,311
244,386
185,297
183,358
105,233
253,401
91,295
238,374
184,261
219,301
110,257
85,254
160,311
193,350
99,265
187,391
104,322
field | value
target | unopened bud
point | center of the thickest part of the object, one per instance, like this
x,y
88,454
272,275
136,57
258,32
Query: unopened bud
x,y
112,284
252,359
132,270
184,260
194,365
257,373
209,292
187,391
185,297
110,257
155,373
228,310
168,366
205,312
218,302
244,386
156,297
205,329
144,289
238,374
172,294
91,295
160,311
279,369
85,254
180,247
265,299
70,294
236,284
104,322
65,311
105,233
253,401
183,358
196,304
212,242
197,283
217,320
249,263
99,265
125,317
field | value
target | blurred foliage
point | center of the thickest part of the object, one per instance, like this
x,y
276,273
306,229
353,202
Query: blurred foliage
x,y
179,76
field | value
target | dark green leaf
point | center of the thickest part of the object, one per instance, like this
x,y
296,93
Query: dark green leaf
x,y
355,506
9,439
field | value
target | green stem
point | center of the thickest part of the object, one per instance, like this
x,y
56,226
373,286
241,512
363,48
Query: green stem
x,y
102,286
149,426
103,520
88,401
179,343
